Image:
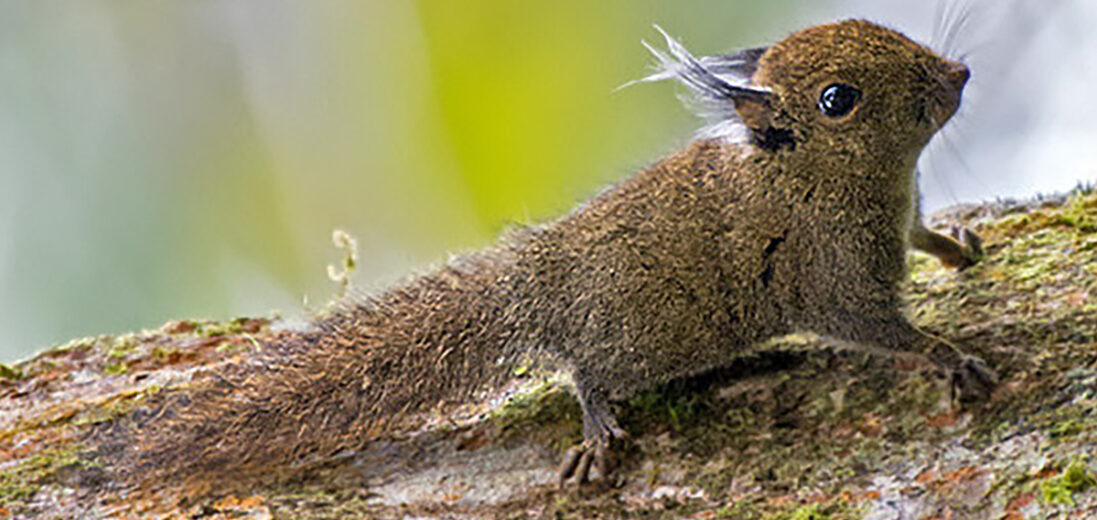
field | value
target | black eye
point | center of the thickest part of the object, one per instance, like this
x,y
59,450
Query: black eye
x,y
838,100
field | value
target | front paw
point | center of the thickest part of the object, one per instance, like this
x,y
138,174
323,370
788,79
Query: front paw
x,y
971,247
973,380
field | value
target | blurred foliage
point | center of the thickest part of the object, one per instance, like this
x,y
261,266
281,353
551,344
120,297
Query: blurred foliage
x,y
171,159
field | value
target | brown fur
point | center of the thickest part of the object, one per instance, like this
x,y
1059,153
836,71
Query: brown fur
x,y
672,272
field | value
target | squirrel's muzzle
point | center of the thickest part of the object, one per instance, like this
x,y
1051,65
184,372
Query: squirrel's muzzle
x,y
957,74
953,79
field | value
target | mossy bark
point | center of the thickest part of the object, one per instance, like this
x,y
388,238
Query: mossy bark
x,y
799,429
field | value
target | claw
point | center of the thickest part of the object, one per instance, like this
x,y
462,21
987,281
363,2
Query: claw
x,y
577,464
582,471
973,380
971,246
567,467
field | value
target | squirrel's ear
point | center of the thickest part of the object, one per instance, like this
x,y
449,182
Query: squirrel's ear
x,y
754,110
720,87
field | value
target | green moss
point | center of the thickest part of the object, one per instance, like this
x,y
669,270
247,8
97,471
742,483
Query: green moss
x,y
9,372
117,406
315,502
123,346
75,344
545,410
223,328
834,510
1080,214
20,482
739,511
667,407
1067,428
1076,478
116,369
1061,424
163,352
229,348
811,512
215,329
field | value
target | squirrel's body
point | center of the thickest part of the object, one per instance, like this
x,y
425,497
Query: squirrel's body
x,y
801,227
726,255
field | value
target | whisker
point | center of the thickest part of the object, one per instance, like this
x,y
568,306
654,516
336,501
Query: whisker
x,y
955,151
949,24
957,26
940,178
974,50
950,21
950,14
938,20
964,25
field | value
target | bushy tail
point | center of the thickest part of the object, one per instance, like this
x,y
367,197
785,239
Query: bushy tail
x,y
366,369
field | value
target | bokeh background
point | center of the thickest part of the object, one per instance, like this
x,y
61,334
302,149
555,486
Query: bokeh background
x,y
191,158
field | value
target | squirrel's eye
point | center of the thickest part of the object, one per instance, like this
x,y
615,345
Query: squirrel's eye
x,y
838,100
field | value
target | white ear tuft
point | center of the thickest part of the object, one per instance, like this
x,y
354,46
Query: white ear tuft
x,y
716,84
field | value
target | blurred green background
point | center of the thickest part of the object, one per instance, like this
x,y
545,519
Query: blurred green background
x,y
190,159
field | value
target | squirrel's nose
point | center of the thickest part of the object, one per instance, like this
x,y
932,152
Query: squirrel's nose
x,y
957,74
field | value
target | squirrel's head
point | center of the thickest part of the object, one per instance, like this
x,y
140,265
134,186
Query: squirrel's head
x,y
846,90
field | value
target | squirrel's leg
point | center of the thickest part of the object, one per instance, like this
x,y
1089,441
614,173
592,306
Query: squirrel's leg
x,y
599,429
964,249
971,378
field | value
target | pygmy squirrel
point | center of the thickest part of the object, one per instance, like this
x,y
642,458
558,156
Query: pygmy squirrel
x,y
792,212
